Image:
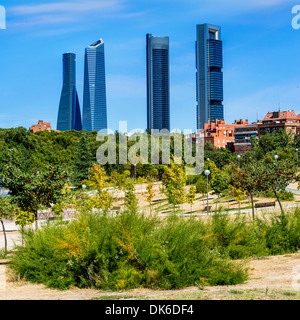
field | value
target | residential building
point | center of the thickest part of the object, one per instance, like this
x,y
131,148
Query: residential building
x,y
219,133
69,115
158,83
243,134
41,126
209,75
286,120
273,121
94,115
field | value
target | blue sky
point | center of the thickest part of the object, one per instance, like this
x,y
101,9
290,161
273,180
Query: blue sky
x,y
261,56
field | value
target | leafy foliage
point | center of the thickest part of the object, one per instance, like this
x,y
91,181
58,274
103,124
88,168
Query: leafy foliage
x,y
131,250
122,252
32,192
83,159
174,180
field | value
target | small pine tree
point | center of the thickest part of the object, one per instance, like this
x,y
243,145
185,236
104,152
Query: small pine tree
x,y
150,193
191,196
131,202
239,195
83,160
98,180
219,184
201,187
174,180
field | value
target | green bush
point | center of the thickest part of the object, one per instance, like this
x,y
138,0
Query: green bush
x,y
122,252
284,196
201,186
130,250
236,236
281,233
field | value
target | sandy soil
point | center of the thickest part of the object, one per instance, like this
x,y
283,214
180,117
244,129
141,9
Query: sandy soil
x,y
271,273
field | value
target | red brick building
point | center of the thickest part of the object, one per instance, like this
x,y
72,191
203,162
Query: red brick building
x,y
286,120
220,134
41,126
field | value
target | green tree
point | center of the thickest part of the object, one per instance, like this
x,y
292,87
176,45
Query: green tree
x,y
83,160
201,187
7,212
98,180
33,191
247,178
211,166
131,202
219,184
276,176
119,181
150,193
191,196
239,195
23,219
174,181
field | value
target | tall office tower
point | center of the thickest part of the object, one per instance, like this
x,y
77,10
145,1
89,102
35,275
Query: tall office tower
x,y
209,76
69,117
94,92
158,83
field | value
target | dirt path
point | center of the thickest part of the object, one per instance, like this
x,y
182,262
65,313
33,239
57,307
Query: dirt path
x,y
277,273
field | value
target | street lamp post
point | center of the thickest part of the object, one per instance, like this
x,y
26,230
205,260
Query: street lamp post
x,y
207,173
297,157
276,157
238,157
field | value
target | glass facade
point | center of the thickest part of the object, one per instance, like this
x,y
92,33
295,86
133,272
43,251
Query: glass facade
x,y
94,92
209,75
158,83
69,115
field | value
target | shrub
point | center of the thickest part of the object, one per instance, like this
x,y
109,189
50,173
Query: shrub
x,y
122,252
235,236
201,185
281,233
131,250
285,196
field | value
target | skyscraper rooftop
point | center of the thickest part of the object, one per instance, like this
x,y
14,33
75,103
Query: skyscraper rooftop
x,y
158,83
94,92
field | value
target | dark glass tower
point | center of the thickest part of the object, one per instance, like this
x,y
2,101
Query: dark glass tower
x,y
69,117
94,92
158,83
209,76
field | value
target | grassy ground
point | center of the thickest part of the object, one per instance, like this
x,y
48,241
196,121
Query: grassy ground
x,y
226,294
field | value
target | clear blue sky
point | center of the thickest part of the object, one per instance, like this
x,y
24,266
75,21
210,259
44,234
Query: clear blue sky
x,y
261,56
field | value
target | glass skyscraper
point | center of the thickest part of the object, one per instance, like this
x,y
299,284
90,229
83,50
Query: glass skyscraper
x,y
94,92
209,76
158,83
69,116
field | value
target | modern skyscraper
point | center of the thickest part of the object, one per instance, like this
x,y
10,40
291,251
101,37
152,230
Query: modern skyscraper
x,y
69,116
94,92
209,76
158,83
